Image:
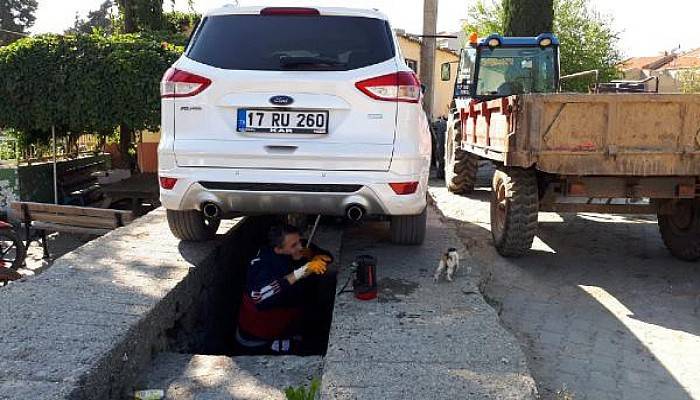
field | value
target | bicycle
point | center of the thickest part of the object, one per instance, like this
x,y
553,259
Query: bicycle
x,y
12,253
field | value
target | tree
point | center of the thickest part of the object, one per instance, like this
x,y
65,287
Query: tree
x,y
588,42
689,80
484,17
180,22
137,16
527,17
587,38
82,83
16,16
100,19
140,15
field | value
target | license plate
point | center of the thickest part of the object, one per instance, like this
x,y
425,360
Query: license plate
x,y
276,121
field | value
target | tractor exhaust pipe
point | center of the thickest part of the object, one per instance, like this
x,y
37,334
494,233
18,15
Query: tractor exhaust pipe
x,y
355,213
211,211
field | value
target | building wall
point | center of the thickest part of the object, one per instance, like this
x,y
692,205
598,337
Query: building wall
x,y
443,90
147,151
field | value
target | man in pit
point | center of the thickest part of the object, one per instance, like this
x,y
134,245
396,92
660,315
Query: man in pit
x,y
287,303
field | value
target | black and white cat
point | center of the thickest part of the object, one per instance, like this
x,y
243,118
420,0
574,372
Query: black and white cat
x,y
448,261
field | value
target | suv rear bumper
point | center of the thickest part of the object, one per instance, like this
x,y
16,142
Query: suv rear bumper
x,y
262,191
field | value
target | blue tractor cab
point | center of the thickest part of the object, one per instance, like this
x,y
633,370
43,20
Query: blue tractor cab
x,y
498,66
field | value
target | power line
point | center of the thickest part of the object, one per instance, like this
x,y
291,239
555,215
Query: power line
x,y
14,33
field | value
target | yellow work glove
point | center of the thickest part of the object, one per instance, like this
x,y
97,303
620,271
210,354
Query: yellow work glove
x,y
318,264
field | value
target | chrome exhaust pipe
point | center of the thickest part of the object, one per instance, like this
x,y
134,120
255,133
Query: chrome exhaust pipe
x,y
211,211
355,213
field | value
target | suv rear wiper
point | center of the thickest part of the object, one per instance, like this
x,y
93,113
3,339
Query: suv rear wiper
x,y
289,62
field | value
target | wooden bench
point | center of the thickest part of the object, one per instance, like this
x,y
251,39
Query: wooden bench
x,y
42,218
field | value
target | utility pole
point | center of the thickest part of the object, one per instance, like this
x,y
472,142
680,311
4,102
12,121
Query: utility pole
x,y
427,53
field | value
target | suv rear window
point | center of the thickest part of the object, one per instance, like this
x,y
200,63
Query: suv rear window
x,y
291,42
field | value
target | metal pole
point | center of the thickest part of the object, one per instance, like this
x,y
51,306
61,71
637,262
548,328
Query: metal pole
x,y
313,231
427,54
55,177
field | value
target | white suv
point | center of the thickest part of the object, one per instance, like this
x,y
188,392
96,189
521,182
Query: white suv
x,y
293,110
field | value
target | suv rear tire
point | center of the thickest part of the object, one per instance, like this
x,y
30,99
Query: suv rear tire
x,y
191,225
409,229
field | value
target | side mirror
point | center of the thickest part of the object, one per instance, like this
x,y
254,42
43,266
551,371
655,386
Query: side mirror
x,y
445,71
423,88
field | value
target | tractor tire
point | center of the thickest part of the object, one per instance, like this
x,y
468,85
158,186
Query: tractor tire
x,y
514,210
439,154
460,167
191,225
409,229
680,230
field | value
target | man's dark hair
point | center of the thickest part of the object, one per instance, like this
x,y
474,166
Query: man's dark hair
x,y
275,237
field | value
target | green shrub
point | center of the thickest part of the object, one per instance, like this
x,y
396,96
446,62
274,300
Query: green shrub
x,y
82,83
180,22
302,393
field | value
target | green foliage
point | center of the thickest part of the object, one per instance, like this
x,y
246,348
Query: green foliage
x,y
82,83
484,17
587,38
180,22
168,24
16,16
100,20
689,80
588,42
140,15
302,393
8,145
527,17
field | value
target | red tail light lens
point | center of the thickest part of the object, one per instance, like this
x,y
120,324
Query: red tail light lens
x,y
402,188
401,86
167,183
289,11
179,83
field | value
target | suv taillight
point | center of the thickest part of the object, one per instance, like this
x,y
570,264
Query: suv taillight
x,y
167,183
179,83
403,188
400,86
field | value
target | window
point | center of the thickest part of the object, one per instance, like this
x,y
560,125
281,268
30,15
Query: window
x,y
506,71
445,71
464,73
412,64
290,42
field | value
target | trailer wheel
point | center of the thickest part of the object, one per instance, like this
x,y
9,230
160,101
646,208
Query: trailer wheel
x,y
191,225
514,210
680,229
460,167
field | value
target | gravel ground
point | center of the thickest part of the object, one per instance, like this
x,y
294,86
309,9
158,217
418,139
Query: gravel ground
x,y
59,244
